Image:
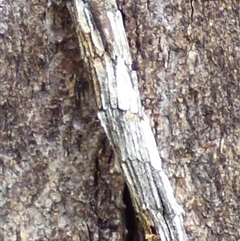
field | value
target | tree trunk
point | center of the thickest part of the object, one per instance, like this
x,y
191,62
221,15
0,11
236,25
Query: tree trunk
x,y
54,155
74,127
106,55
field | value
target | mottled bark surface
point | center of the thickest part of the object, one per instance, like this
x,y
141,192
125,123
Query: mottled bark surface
x,y
56,175
55,160
187,57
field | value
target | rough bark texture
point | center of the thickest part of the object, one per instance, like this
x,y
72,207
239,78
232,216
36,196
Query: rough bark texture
x,y
186,54
105,52
54,155
56,166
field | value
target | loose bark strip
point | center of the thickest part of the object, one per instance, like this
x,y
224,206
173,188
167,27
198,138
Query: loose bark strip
x,y
105,51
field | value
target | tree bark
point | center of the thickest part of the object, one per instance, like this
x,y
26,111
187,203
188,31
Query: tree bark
x,y
55,159
186,56
123,63
106,54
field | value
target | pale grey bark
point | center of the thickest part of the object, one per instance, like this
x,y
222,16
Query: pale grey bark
x,y
106,54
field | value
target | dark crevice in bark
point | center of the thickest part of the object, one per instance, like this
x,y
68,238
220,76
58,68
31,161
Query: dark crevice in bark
x,y
130,215
123,17
166,217
96,173
135,232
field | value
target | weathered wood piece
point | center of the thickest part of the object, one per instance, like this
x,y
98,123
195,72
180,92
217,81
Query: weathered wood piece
x,y
105,51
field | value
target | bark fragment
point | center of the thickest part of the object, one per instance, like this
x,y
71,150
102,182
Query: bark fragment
x,y
125,123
